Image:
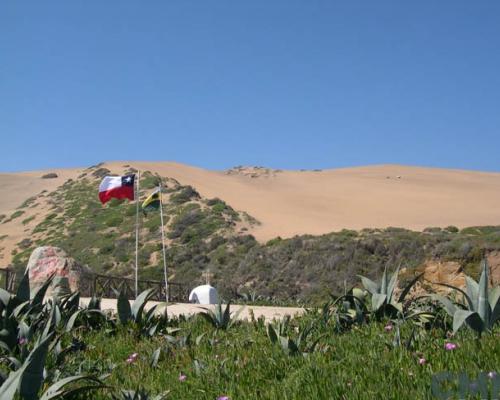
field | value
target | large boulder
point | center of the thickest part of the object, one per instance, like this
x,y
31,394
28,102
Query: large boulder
x,y
48,260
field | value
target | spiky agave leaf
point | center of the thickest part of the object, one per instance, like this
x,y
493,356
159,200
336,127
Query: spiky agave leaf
x,y
123,308
384,283
494,299
271,333
483,305
378,300
94,303
28,378
370,285
58,391
234,316
472,319
140,303
392,285
23,291
470,303
408,287
155,357
472,290
449,307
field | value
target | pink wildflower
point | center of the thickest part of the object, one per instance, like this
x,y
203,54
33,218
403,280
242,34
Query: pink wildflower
x,y
182,377
223,398
388,327
422,361
450,346
131,358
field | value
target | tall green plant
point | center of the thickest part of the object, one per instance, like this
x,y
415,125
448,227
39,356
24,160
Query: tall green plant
x,y
383,297
146,322
299,346
480,309
220,319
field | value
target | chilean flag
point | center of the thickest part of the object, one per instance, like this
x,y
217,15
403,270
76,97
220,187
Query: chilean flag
x,y
118,187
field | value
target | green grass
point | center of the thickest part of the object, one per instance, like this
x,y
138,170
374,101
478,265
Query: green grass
x,y
242,363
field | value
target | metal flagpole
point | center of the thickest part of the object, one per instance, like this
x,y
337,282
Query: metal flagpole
x,y
163,247
137,233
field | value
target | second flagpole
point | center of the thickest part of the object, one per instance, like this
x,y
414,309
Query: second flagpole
x,y
165,272
137,235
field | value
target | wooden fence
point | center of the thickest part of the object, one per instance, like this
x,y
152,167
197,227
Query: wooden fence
x,y
104,286
8,279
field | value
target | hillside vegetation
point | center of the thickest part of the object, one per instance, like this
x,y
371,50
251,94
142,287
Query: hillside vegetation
x,y
207,234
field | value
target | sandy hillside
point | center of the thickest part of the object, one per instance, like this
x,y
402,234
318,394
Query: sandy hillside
x,y
296,202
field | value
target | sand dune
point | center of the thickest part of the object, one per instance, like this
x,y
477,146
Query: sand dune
x,y
297,202
288,203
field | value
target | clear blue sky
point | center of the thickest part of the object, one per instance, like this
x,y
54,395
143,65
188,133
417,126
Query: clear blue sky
x,y
285,84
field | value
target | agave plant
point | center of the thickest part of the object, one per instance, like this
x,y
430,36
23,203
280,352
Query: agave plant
x,y
28,378
383,298
16,310
251,297
299,346
147,322
480,309
221,319
346,310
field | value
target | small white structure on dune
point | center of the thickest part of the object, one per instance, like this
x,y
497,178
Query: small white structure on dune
x,y
204,294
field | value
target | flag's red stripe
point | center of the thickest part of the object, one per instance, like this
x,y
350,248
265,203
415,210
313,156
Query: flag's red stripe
x,y
120,192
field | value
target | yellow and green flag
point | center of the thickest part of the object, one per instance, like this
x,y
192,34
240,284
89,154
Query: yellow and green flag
x,y
152,202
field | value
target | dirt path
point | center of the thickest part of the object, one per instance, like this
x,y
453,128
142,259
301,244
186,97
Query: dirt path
x,y
269,313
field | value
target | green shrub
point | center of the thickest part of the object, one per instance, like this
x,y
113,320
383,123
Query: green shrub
x,y
432,230
153,223
28,220
114,221
101,172
50,175
184,194
16,214
274,241
183,221
149,181
107,249
28,202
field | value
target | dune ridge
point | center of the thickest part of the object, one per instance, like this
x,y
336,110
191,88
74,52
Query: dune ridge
x,y
288,203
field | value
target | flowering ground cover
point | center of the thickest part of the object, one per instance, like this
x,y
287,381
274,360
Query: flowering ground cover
x,y
367,344
242,362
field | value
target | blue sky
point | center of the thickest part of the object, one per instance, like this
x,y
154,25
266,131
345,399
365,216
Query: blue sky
x,y
285,84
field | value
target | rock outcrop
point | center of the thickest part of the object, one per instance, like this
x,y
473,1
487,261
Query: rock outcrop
x,y
48,260
494,263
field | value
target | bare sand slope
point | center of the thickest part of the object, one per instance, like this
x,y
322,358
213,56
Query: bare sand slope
x,y
15,188
297,202
315,202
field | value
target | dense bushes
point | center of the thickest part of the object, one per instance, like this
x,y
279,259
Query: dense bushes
x,y
185,194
